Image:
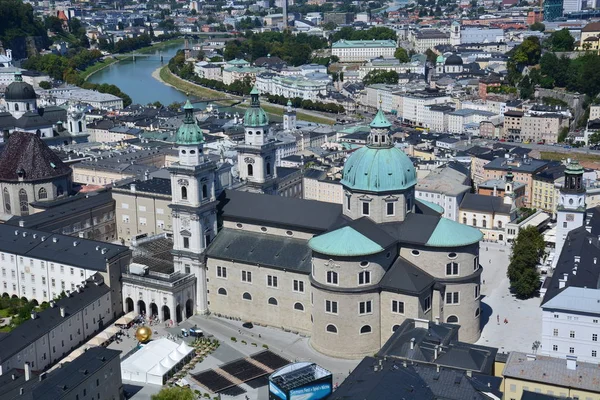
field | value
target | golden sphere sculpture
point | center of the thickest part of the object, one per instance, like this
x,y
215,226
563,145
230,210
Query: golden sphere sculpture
x,y
143,334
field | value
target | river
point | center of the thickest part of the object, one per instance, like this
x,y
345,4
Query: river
x,y
135,78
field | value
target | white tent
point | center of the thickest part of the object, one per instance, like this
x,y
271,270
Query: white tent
x,y
125,319
153,361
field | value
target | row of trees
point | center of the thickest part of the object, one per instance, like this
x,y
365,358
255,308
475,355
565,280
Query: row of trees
x,y
381,76
376,33
125,45
58,66
293,49
306,104
522,272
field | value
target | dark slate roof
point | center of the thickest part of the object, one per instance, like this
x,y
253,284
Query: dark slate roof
x,y
310,215
57,248
154,185
59,383
416,228
266,250
580,243
405,277
483,203
27,152
7,120
410,382
33,329
283,172
367,228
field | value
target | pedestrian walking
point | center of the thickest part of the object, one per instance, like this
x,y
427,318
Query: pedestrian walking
x,y
505,321
498,318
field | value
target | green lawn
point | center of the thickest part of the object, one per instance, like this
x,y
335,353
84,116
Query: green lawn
x,y
551,155
196,90
86,73
299,115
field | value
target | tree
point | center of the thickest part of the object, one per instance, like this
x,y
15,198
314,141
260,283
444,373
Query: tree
x,y
381,76
537,26
174,393
562,134
594,139
401,55
45,85
329,26
526,89
561,40
431,56
54,24
522,272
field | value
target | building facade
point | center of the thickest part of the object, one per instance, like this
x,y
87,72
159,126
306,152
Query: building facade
x,y
362,50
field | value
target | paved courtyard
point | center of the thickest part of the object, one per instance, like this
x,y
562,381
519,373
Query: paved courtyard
x,y
524,316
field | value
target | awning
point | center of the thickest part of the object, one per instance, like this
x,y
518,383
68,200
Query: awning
x,y
125,319
112,330
97,341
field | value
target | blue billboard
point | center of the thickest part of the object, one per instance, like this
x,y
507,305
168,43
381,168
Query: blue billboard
x,y
274,390
312,392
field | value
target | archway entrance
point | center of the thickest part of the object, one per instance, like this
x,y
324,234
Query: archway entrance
x,y
141,307
128,304
153,310
189,308
178,317
166,313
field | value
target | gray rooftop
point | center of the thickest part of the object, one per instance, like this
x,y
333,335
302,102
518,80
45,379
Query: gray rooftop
x,y
483,203
527,165
554,371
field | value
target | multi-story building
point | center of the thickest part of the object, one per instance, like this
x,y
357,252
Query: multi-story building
x,y
497,187
437,117
551,376
53,333
553,9
513,125
427,39
545,188
594,112
445,187
338,18
414,106
570,6
238,70
208,71
457,120
381,96
305,87
491,128
74,94
362,50
39,266
391,64
94,374
523,169
317,186
542,128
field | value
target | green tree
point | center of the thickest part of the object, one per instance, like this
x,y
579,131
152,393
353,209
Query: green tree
x,y
329,26
431,56
561,40
45,85
594,139
527,249
174,393
381,76
537,26
401,55
54,24
526,89
563,134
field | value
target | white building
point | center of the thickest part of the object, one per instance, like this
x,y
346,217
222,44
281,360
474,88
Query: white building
x,y
445,187
428,39
362,50
414,105
307,87
208,71
74,94
391,64
51,334
457,120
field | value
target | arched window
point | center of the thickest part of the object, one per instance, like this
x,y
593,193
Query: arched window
x,y
453,319
6,198
272,301
365,329
484,223
80,126
249,132
465,220
204,191
250,170
42,194
16,107
474,221
499,224
395,328
184,193
331,328
23,202
222,291
268,168
298,306
247,296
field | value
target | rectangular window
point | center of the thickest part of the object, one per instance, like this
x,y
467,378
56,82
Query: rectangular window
x,y
572,334
348,198
331,307
555,332
477,291
397,307
187,268
452,268
572,350
53,282
390,208
365,208
364,277
72,271
271,281
427,304
247,276
222,272
298,286
332,277
186,243
594,353
594,337
365,307
452,297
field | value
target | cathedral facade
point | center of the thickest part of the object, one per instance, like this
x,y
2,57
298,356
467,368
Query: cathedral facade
x,y
347,275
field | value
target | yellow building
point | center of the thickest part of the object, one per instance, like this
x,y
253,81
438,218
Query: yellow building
x,y
590,37
545,189
551,376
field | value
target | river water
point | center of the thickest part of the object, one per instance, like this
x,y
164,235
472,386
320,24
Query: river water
x,y
135,78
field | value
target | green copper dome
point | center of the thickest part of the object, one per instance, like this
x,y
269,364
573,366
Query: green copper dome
x,y
450,233
255,116
344,242
574,168
189,133
380,121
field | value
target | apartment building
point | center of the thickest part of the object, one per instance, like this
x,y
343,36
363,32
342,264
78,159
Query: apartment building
x,y
543,128
523,169
427,39
458,120
362,50
317,186
545,188
414,106
512,125
445,187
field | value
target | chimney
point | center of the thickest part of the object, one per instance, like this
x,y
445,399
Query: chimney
x,y
571,362
21,391
33,314
62,312
435,352
495,191
412,343
52,304
469,373
21,223
530,357
27,372
132,187
437,320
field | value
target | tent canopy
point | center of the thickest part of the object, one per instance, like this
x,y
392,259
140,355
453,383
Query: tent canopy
x,y
125,319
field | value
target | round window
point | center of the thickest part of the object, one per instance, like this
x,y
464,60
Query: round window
x,y
239,225
289,233
452,256
415,252
388,254
570,201
364,264
263,229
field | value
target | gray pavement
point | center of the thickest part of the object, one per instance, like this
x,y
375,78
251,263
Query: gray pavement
x,y
524,316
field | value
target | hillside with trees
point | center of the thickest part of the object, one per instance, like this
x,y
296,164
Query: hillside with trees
x,y
18,26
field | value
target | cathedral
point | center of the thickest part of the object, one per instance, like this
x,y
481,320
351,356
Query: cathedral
x,y
54,125
347,275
